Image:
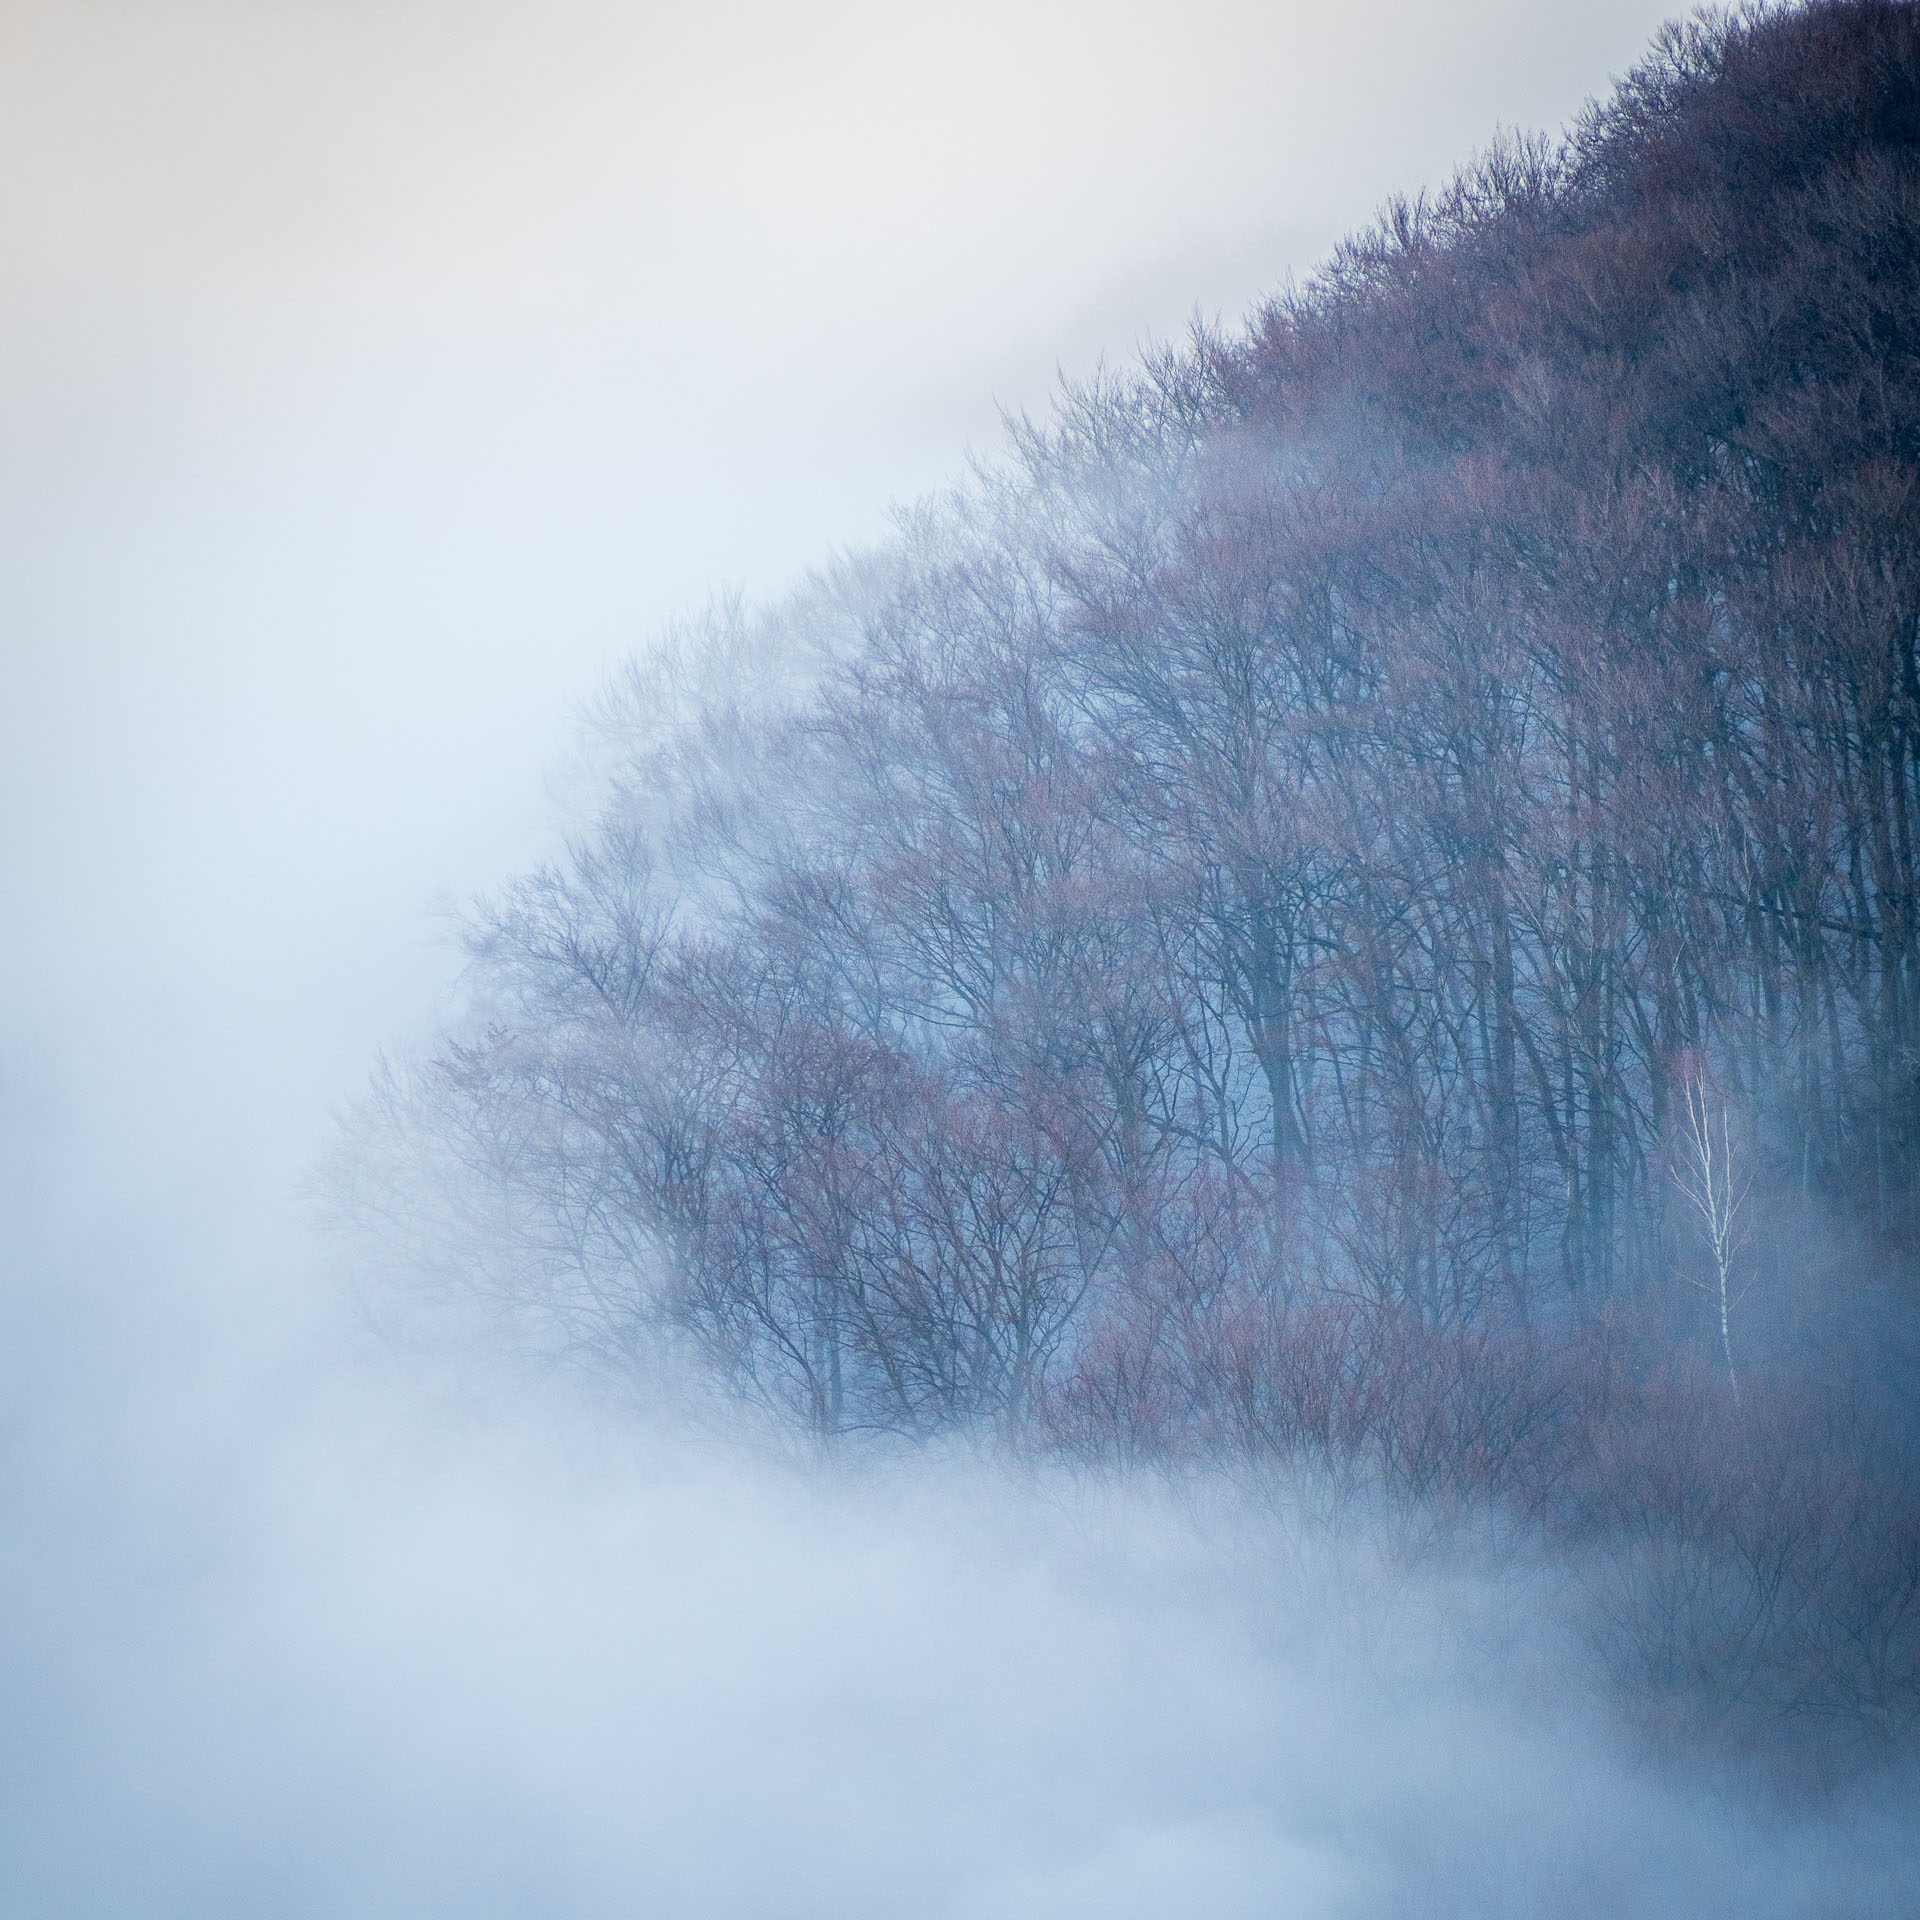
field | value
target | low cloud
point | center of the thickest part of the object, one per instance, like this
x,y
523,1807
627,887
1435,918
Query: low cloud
x,y
342,1643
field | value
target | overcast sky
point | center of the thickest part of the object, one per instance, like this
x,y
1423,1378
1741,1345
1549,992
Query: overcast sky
x,y
373,371
372,374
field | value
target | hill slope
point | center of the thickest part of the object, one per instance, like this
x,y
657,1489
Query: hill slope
x,y
1357,902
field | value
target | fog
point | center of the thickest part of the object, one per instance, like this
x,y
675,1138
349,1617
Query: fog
x,y
380,1663
374,376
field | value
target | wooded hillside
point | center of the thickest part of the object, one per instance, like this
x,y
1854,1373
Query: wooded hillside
x,y
1359,898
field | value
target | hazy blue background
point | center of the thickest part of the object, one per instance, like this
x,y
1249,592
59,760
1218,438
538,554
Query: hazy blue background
x,y
372,371
371,375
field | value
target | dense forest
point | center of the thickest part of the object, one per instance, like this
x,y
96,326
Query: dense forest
x,y
1351,900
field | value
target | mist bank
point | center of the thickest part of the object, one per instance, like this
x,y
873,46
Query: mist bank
x,y
360,1641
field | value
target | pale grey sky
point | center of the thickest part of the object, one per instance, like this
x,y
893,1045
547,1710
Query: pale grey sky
x,y
374,368
372,371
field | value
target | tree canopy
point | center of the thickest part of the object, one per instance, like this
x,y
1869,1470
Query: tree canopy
x,y
1223,932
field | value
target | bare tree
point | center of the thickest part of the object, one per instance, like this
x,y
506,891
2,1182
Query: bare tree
x,y
1715,1180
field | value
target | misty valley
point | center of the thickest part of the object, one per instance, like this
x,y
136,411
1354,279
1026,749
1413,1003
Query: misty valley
x,y
1192,1193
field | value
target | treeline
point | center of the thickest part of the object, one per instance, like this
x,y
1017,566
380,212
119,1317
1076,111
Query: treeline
x,y
1259,922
